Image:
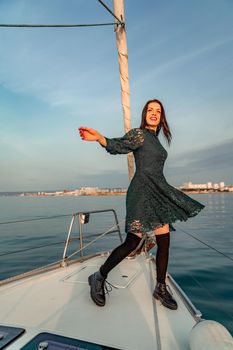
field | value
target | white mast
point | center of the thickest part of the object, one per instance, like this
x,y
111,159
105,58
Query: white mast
x,y
124,76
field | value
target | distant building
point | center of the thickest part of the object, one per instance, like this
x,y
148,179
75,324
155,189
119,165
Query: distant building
x,y
209,186
88,190
222,185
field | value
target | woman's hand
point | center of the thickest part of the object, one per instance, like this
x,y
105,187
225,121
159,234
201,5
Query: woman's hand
x,y
89,134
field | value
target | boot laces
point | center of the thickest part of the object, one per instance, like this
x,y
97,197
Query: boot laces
x,y
107,287
166,290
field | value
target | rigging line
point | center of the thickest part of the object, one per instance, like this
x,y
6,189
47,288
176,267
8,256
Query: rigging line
x,y
206,244
217,302
31,248
54,25
48,245
35,219
110,11
60,261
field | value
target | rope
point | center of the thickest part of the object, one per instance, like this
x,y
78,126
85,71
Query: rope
x,y
46,245
61,260
49,244
35,219
35,247
206,244
110,11
218,304
67,25
55,25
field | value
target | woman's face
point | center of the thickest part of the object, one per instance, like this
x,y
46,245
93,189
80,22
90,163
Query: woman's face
x,y
153,115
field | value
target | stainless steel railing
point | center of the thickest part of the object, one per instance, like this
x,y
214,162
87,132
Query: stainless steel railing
x,y
83,218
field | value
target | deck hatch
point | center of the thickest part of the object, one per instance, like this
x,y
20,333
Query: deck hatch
x,y
118,278
58,342
8,335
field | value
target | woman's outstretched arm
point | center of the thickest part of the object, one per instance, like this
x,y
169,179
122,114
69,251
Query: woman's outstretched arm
x,y
132,140
89,134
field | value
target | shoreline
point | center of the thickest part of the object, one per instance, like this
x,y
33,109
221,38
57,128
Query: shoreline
x,y
104,194
97,193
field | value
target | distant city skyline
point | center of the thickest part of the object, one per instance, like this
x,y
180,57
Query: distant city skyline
x,y
187,185
54,80
79,191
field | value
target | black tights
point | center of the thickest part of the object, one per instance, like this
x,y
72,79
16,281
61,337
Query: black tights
x,y
162,255
118,254
130,244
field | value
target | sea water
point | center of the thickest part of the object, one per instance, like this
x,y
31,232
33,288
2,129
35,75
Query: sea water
x,y
201,254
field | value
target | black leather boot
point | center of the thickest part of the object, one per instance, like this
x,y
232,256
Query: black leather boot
x,y
161,293
96,282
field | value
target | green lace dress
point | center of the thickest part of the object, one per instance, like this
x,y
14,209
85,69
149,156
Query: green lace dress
x,y
150,202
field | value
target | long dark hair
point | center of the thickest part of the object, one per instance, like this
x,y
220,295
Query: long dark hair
x,y
163,121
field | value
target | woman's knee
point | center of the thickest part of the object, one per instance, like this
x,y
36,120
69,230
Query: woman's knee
x,y
162,230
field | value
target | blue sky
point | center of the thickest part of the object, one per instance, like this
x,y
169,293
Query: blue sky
x,y
54,80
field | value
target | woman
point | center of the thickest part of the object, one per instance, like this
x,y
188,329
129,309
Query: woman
x,y
151,203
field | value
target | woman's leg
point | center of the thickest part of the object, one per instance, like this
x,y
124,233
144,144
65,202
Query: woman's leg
x,y
163,242
118,254
162,256
96,281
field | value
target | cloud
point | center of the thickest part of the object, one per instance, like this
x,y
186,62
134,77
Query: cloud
x,y
183,58
212,163
211,156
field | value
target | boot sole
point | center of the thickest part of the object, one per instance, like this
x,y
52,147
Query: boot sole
x,y
171,307
91,294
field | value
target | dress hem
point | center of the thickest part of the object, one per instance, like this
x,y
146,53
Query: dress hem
x,y
137,227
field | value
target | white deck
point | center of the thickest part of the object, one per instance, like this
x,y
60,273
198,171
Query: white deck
x,y
58,301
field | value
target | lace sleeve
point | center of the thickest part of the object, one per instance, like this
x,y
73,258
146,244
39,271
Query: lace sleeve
x,y
128,143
